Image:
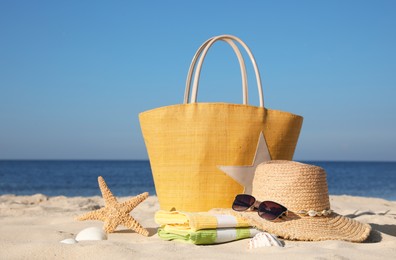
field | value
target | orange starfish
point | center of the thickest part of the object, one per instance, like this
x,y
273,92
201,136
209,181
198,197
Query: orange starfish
x,y
114,213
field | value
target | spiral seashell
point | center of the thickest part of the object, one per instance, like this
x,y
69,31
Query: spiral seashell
x,y
264,239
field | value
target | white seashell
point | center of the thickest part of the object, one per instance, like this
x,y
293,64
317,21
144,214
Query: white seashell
x,y
91,233
69,241
264,239
312,213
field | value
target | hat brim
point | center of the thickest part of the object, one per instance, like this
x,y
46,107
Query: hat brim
x,y
295,227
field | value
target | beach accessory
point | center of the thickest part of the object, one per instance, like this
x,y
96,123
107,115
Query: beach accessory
x,y
201,228
187,142
194,221
302,188
114,213
268,210
206,236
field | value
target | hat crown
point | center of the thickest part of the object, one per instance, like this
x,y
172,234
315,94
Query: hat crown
x,y
297,186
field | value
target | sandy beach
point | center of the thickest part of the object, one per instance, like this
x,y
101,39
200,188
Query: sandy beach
x,y
31,227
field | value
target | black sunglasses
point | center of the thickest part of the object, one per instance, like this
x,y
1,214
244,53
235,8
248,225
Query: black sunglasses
x,y
268,210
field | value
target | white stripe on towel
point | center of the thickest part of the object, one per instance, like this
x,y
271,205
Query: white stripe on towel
x,y
226,235
224,221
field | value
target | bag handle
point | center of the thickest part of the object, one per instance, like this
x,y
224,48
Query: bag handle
x,y
204,52
241,64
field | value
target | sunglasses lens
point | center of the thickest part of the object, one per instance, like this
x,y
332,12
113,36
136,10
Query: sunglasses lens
x,y
270,210
242,202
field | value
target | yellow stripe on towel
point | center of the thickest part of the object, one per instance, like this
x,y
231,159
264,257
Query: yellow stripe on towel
x,y
197,220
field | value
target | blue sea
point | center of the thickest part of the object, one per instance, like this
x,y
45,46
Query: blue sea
x,y
129,178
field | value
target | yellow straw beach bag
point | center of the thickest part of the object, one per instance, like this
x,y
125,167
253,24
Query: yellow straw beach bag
x,y
186,142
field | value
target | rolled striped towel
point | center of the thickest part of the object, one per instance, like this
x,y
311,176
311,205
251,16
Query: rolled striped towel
x,y
206,236
194,221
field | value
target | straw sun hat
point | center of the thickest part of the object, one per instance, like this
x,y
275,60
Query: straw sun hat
x,y
302,189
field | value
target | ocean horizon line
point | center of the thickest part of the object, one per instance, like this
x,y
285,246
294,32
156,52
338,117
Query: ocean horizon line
x,y
147,160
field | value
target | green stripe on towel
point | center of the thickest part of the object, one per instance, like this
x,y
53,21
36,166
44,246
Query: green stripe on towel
x,y
206,236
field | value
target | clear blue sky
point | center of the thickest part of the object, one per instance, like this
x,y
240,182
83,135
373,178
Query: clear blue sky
x,y
74,75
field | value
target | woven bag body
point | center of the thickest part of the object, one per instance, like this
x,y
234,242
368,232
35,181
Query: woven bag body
x,y
186,143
